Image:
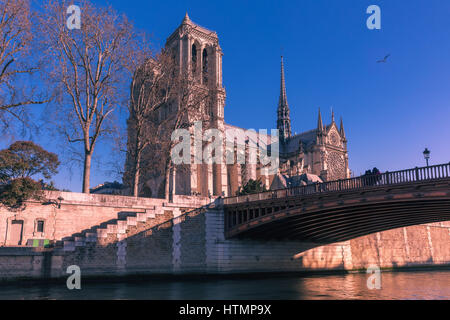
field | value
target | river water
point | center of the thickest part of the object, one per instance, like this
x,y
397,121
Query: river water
x,y
394,285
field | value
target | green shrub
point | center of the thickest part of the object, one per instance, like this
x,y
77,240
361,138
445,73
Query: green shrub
x,y
14,194
252,186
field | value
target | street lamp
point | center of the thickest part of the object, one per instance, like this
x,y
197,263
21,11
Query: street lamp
x,y
426,155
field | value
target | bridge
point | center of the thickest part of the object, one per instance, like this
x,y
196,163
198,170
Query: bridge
x,y
344,209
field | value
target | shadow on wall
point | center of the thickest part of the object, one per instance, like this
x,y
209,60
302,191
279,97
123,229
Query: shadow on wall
x,y
167,245
323,257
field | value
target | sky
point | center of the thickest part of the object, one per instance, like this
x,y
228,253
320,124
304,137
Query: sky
x,y
392,111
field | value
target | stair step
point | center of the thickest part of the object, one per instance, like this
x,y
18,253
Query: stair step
x,y
141,217
69,245
132,221
122,226
79,241
117,228
102,233
112,228
124,215
121,236
158,211
91,237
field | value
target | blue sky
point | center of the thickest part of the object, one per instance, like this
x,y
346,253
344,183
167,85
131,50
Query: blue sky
x,y
391,111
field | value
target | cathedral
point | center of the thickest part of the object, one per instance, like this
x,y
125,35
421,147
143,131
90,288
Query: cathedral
x,y
316,155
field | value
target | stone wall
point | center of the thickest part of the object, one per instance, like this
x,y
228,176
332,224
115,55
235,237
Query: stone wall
x,y
422,245
17,263
77,212
163,240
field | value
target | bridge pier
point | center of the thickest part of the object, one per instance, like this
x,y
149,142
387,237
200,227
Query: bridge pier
x,y
250,256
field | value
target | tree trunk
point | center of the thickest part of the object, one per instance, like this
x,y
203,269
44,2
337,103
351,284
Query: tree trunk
x,y
137,159
87,172
137,172
167,179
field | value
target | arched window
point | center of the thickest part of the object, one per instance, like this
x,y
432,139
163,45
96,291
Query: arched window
x,y
194,59
205,66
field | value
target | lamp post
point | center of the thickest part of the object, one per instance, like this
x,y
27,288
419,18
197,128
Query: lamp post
x,y
426,155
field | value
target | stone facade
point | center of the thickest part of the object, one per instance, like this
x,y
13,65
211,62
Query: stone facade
x,y
321,152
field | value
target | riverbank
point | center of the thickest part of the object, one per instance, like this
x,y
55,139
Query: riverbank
x,y
184,239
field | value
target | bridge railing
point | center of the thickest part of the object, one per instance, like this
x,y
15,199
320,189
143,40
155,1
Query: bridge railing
x,y
435,172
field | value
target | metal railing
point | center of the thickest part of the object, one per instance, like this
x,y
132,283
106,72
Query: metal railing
x,y
435,172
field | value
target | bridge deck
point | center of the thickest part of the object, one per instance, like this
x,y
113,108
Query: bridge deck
x,y
343,209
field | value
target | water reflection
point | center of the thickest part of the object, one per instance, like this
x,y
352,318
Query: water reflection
x,y
401,285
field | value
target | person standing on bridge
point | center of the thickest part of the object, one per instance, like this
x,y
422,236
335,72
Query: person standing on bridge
x,y
376,175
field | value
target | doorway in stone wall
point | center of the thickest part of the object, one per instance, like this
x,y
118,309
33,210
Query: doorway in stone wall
x,y
15,234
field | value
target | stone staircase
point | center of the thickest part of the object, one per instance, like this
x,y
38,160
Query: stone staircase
x,y
127,224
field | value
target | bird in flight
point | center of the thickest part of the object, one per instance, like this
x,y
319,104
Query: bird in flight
x,y
384,59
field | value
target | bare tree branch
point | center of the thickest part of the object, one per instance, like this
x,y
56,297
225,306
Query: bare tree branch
x,y
89,67
17,64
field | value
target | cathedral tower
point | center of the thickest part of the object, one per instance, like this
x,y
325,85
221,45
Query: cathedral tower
x,y
199,54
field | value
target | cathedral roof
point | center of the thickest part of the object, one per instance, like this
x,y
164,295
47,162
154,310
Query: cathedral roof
x,y
291,145
307,138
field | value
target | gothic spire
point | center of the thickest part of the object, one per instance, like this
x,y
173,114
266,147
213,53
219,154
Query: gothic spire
x,y
332,115
284,121
186,18
319,123
341,130
283,96
320,130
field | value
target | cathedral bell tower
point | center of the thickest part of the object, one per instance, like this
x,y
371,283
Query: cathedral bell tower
x,y
199,54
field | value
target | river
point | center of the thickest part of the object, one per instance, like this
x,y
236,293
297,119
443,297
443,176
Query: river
x,y
394,285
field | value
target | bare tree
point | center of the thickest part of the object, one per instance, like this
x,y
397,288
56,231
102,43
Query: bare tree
x,y
17,63
192,100
89,69
153,85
